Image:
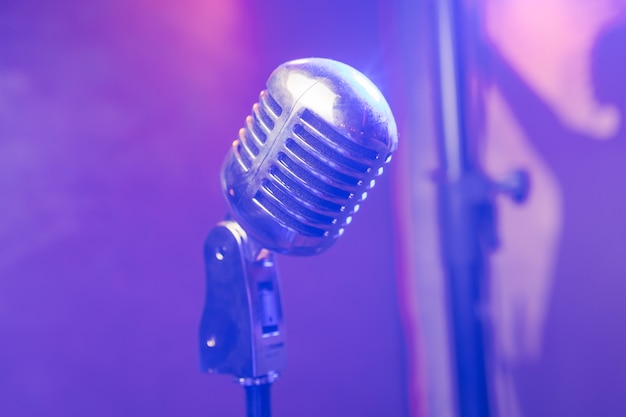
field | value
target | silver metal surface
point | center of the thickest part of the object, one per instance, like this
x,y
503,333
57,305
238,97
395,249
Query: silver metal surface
x,y
307,155
241,328
270,378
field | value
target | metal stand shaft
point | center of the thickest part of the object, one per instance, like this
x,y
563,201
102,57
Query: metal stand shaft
x,y
258,400
466,216
241,329
467,210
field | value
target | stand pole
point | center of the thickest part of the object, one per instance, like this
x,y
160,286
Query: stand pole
x,y
241,329
466,212
258,400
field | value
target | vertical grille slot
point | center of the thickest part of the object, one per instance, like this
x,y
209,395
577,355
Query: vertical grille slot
x,y
242,156
328,152
256,129
267,122
329,133
271,104
301,192
248,142
320,166
286,218
311,180
288,201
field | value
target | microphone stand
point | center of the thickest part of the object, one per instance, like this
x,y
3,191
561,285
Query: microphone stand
x,y
241,329
467,213
258,400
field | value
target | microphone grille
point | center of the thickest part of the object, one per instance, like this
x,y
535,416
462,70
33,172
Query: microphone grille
x,y
307,155
258,126
295,194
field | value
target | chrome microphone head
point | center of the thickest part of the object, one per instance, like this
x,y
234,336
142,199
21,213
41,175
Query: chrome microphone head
x,y
307,155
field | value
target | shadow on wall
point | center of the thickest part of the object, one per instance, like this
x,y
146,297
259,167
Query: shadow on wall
x,y
556,106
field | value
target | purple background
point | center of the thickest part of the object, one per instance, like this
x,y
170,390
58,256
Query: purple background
x,y
581,369
114,119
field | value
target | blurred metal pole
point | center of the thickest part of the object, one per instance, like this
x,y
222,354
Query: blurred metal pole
x,y
466,213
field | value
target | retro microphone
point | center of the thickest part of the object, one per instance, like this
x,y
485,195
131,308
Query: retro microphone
x,y
294,177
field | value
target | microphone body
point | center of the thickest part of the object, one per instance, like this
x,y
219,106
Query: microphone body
x,y
307,155
294,177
